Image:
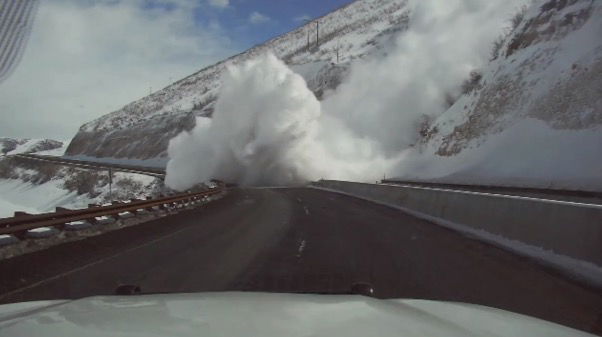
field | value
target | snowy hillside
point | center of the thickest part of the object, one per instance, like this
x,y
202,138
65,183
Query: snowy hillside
x,y
37,187
142,129
535,117
10,146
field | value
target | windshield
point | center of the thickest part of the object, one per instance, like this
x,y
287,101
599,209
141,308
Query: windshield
x,y
396,149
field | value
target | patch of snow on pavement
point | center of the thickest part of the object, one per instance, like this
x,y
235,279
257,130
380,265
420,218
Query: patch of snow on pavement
x,y
41,230
301,248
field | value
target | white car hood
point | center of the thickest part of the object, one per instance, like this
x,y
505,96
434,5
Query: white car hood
x,y
265,315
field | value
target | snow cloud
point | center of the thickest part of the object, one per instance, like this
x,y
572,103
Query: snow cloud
x,y
258,18
87,58
264,139
219,3
268,128
409,84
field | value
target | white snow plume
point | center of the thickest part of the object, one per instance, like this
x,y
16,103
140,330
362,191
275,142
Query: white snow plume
x,y
259,133
268,128
387,98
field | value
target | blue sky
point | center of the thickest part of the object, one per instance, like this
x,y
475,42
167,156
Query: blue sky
x,y
274,17
86,58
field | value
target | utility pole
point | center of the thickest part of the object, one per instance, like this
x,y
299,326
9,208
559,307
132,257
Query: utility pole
x,y
338,47
317,33
308,31
308,39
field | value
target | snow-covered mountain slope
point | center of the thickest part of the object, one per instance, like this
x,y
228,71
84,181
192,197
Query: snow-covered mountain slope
x,y
10,146
531,115
142,129
535,116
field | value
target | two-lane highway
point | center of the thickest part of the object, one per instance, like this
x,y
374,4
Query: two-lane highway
x,y
300,240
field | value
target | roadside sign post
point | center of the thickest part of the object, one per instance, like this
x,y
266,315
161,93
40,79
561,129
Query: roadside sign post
x,y
110,184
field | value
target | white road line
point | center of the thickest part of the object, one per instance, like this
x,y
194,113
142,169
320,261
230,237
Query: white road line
x,y
570,266
499,195
301,247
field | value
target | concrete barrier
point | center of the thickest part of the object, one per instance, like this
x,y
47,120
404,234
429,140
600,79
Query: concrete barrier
x,y
571,229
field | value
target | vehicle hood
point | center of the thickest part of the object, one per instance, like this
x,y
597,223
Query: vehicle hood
x,y
266,315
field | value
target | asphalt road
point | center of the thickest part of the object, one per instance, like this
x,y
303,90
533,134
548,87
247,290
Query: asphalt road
x,y
300,240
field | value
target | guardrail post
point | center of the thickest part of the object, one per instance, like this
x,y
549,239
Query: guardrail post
x,y
19,213
21,235
110,184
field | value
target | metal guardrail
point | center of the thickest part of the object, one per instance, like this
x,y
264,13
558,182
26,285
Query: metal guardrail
x,y
19,225
156,172
544,193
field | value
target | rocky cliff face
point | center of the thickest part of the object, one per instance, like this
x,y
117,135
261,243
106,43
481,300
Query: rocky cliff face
x,y
142,129
533,116
549,68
